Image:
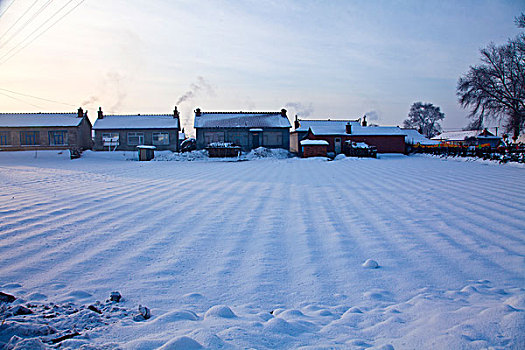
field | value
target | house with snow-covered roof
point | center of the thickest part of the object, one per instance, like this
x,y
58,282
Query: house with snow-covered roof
x,y
469,138
45,131
125,132
248,130
338,132
413,137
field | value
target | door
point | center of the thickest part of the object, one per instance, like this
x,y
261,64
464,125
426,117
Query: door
x,y
337,145
255,140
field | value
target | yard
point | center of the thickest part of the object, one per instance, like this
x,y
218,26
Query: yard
x,y
266,253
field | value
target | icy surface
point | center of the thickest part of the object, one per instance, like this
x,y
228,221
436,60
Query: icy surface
x,y
262,254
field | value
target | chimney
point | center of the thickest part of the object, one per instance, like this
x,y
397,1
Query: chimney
x,y
364,121
80,112
175,113
348,128
296,123
198,112
283,112
100,113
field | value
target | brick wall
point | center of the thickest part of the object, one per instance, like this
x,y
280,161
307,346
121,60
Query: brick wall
x,y
314,151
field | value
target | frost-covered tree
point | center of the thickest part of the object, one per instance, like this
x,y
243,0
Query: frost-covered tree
x,y
496,87
425,118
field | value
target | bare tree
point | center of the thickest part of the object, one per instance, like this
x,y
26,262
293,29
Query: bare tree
x,y
520,21
496,88
475,124
425,118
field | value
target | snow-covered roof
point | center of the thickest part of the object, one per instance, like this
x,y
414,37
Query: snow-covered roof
x,y
241,120
314,143
462,135
20,120
413,137
137,121
338,127
326,127
377,130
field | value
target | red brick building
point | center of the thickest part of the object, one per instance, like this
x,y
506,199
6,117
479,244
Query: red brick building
x,y
314,148
386,139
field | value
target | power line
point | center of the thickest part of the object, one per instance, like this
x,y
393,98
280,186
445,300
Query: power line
x,y
34,31
41,33
7,8
39,98
19,18
14,98
35,15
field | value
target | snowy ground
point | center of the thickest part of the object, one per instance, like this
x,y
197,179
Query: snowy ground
x,y
263,253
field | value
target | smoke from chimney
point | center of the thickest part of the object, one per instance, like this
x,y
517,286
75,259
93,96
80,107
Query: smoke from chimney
x,y
300,109
372,116
201,85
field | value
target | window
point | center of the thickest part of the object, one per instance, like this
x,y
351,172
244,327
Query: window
x,y
58,138
213,136
4,138
135,138
238,138
110,135
110,139
273,138
29,138
161,138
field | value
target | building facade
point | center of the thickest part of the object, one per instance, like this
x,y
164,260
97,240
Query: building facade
x,y
249,130
126,132
45,131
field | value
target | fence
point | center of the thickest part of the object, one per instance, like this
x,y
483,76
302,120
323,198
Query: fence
x,y
502,154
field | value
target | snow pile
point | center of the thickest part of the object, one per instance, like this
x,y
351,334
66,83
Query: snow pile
x,y
201,155
262,152
370,264
474,160
221,144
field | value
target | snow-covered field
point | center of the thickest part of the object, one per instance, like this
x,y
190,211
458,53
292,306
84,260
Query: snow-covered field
x,y
263,253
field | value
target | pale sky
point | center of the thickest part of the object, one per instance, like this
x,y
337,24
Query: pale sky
x,y
320,59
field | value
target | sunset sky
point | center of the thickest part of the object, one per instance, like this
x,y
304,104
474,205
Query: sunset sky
x,y
338,59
